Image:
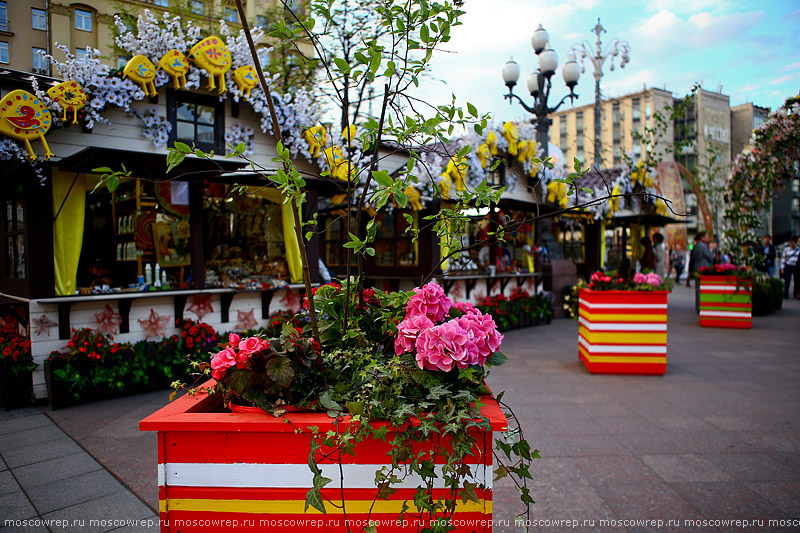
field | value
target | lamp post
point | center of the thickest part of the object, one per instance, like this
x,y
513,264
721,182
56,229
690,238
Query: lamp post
x,y
539,83
614,49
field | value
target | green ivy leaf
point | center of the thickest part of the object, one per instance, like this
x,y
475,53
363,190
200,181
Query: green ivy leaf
x,y
314,496
468,493
380,432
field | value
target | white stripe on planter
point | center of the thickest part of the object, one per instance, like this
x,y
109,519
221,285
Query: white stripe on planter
x,y
622,348
727,314
622,306
608,326
721,288
298,476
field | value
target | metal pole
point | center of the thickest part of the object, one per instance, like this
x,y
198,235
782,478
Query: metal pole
x,y
598,143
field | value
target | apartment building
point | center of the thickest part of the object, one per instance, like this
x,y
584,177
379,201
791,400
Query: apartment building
x,y
24,35
28,29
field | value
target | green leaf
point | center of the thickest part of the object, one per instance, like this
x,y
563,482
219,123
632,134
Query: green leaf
x,y
468,493
472,110
375,63
342,65
355,408
401,198
239,380
500,472
497,359
279,370
328,403
370,251
380,432
424,34
314,496
102,170
182,147
112,182
382,177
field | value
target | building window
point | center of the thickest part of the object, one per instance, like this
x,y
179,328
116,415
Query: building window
x,y
83,20
162,3
81,54
579,122
196,119
3,52
198,7
615,113
39,62
261,21
38,19
636,112
4,17
796,205
263,56
14,235
231,15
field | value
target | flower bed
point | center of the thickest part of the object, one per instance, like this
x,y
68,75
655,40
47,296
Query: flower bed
x,y
16,366
254,468
725,302
519,310
623,324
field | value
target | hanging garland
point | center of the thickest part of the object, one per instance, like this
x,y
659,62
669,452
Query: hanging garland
x,y
757,174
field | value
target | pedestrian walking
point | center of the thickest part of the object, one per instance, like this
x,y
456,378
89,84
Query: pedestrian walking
x,y
701,257
789,268
677,260
660,254
768,256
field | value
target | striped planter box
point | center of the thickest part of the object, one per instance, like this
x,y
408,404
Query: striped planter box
x,y
252,469
725,302
623,332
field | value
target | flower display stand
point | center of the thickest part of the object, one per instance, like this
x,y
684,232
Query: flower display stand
x,y
252,469
725,302
623,332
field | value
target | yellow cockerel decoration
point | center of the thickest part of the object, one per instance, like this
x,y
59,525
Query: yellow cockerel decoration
x,y
641,176
142,71
24,117
484,155
316,137
511,134
455,173
414,198
212,55
176,65
661,207
348,134
338,164
557,194
70,96
613,202
246,79
528,151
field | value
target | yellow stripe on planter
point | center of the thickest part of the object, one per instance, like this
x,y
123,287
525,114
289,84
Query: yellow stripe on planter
x,y
620,317
292,507
621,337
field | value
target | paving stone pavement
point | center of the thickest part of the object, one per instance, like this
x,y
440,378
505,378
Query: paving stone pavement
x,y
716,438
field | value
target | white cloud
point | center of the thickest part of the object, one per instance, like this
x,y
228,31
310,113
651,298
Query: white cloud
x,y
782,79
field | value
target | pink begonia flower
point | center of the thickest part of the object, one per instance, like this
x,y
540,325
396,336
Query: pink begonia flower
x,y
248,347
233,339
407,332
429,300
653,279
221,362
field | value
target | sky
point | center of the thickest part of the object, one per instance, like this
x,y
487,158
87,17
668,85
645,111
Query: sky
x,y
749,48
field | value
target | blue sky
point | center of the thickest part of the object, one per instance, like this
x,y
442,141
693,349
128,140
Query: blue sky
x,y
750,48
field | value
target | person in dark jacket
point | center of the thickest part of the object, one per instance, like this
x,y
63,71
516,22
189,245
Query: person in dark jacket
x,y
768,256
701,257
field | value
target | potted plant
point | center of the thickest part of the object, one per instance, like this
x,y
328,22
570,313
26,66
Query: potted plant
x,y
16,367
399,421
726,294
623,324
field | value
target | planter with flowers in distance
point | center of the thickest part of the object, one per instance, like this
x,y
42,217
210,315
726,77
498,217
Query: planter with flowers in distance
x,y
726,297
623,325
407,439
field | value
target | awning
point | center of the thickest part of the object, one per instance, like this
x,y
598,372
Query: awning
x,y
646,219
144,164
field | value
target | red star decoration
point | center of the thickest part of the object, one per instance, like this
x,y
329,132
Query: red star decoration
x,y
43,325
457,291
108,321
530,284
155,326
201,305
247,320
291,300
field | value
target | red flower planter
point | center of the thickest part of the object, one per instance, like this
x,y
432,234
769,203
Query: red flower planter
x,y
725,302
252,469
623,332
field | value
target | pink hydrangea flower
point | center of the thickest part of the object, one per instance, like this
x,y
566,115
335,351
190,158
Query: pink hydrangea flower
x,y
653,279
407,332
429,300
443,346
465,307
221,362
484,334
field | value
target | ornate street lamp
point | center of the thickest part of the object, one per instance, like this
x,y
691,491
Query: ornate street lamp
x,y
613,50
539,84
